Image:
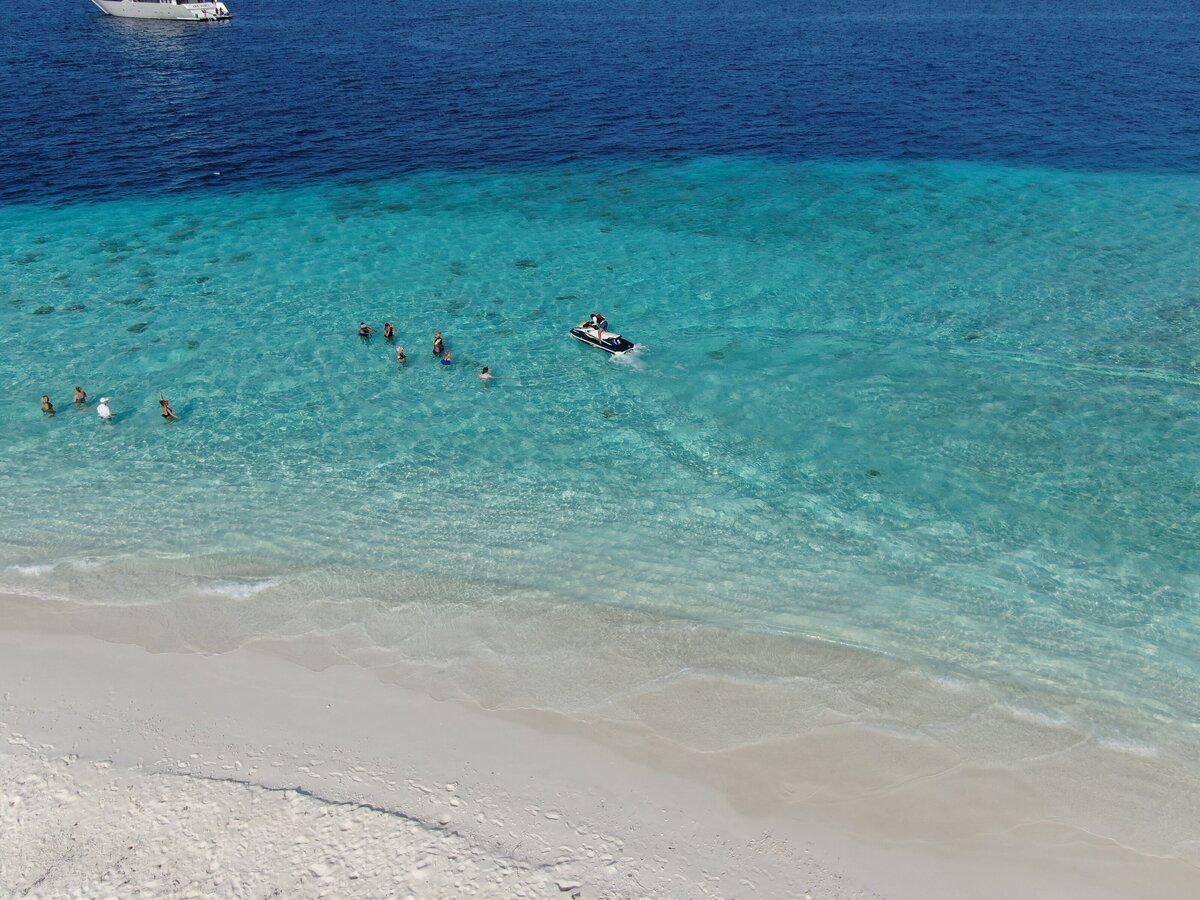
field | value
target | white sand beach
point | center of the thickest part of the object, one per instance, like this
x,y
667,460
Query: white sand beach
x,y
128,773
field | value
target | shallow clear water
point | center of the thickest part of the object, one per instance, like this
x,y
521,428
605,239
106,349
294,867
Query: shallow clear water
x,y
942,411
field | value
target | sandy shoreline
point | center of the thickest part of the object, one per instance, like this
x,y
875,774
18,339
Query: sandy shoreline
x,y
108,740
241,772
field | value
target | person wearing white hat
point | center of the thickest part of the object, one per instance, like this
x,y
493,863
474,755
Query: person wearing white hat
x,y
103,411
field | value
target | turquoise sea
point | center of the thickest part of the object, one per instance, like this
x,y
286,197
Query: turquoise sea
x,y
942,411
922,395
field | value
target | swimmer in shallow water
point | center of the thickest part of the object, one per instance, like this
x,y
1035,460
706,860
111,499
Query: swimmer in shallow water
x,y
167,412
486,374
365,331
446,360
389,332
103,411
80,395
400,357
47,406
439,346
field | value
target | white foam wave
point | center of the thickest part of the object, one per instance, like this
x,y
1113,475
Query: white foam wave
x,y
1129,747
32,571
1036,717
238,589
631,358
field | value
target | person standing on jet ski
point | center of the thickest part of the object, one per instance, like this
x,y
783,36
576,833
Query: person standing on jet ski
x,y
599,323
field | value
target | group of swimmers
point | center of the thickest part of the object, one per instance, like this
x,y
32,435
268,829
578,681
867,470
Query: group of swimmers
x,y
364,331
102,408
439,346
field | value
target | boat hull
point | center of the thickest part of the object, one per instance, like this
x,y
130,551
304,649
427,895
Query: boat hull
x,y
150,9
612,343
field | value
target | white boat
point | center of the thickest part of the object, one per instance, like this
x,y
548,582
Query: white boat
x,y
182,10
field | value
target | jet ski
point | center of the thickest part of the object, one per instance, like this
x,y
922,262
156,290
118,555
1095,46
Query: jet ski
x,y
599,337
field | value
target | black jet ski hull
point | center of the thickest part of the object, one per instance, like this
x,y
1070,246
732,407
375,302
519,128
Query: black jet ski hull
x,y
614,343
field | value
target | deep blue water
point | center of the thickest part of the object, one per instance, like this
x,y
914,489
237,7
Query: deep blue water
x,y
295,92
